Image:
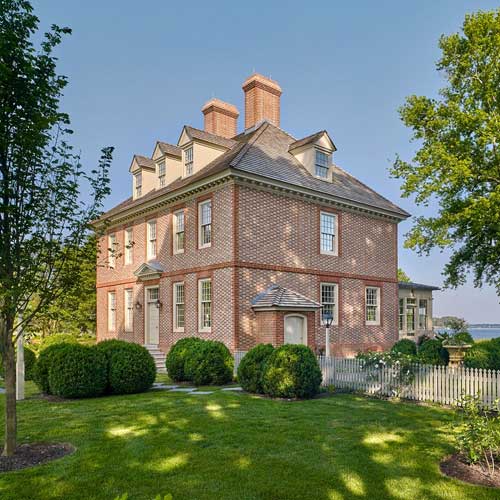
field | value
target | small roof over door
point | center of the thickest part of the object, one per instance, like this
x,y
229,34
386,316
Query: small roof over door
x,y
149,271
276,297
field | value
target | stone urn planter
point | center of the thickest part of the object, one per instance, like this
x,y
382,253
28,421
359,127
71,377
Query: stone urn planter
x,y
457,353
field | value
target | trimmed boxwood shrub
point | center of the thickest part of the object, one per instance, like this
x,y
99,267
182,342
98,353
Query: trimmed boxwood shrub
x,y
57,338
292,371
43,364
130,367
209,363
77,371
405,346
432,353
29,364
176,358
251,367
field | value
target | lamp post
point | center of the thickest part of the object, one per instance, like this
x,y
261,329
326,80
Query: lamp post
x,y
327,319
20,365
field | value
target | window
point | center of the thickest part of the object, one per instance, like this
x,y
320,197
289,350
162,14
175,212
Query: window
x,y
321,164
179,307
401,314
138,184
372,305
188,161
129,309
205,305
329,300
178,235
411,305
328,231
422,314
161,173
205,224
129,243
111,311
112,250
151,244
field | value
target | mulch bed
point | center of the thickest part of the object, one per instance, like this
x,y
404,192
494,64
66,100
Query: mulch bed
x,y
33,454
456,467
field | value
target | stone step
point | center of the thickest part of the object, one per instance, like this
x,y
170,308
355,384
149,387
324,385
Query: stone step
x,y
158,356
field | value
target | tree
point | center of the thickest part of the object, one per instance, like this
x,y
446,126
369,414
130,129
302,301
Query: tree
x,y
457,163
43,218
402,276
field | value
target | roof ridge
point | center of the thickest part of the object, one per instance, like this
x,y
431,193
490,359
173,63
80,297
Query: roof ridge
x,y
248,145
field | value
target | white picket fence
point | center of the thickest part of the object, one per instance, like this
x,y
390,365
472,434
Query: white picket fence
x,y
438,384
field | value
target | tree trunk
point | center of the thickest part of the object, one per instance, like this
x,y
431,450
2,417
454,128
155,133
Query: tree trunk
x,y
10,401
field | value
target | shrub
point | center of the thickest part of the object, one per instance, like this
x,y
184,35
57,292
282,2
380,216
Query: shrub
x,y
251,368
130,367
432,353
57,338
405,346
464,338
292,371
77,371
43,364
29,364
422,339
209,363
478,356
176,358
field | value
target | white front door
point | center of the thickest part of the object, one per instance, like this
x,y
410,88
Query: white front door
x,y
152,316
295,330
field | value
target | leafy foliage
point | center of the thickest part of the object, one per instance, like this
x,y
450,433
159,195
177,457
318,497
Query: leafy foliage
x,y
402,276
57,338
432,352
130,367
252,366
458,160
292,371
77,371
209,362
485,355
478,438
42,367
405,346
176,358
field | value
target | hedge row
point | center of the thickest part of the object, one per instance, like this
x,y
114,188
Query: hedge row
x,y
71,370
290,371
203,362
484,354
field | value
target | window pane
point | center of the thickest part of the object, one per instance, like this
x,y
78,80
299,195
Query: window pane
x,y
205,215
372,305
321,171
422,314
179,305
327,230
205,298
401,313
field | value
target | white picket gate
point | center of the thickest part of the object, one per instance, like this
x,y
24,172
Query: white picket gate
x,y
438,384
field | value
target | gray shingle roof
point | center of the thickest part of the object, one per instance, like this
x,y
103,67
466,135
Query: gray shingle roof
x,y
409,285
265,152
195,133
145,162
278,297
309,139
169,149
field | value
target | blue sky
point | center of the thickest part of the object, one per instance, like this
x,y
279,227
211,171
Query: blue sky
x,y
138,71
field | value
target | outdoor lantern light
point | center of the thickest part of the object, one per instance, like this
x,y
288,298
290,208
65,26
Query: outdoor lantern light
x,y
158,304
327,319
138,305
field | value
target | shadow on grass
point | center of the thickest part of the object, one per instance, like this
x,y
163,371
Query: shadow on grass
x,y
225,446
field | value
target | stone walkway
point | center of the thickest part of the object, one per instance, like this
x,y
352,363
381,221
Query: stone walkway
x,y
159,386
2,390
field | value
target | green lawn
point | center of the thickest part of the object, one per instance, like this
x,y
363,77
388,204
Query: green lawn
x,y
235,446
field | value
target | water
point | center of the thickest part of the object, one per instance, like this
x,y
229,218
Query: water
x,y
478,333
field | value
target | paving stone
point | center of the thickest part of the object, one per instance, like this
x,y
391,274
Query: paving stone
x,y
183,389
159,385
199,393
2,391
232,389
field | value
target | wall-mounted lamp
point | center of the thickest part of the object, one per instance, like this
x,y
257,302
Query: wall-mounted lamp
x,y
158,304
138,305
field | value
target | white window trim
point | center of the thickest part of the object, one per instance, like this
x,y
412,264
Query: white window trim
x,y
201,328
111,312
174,231
129,246
379,305
161,177
128,327
136,187
186,174
178,329
200,207
335,321
327,166
112,250
149,247
335,252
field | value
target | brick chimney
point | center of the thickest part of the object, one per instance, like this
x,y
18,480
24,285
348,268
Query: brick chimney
x,y
221,118
262,100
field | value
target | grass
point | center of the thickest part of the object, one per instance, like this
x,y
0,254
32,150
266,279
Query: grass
x,y
235,446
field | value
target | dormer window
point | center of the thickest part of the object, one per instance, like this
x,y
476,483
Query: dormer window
x,y
322,164
188,161
161,173
138,184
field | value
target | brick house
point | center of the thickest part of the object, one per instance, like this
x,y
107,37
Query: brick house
x,y
243,238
